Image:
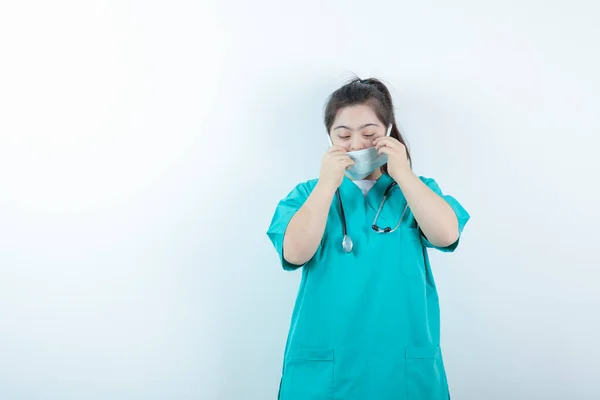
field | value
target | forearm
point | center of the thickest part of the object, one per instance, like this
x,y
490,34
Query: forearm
x,y
434,215
305,230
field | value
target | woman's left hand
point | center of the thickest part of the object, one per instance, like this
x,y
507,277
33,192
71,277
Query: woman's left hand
x,y
397,159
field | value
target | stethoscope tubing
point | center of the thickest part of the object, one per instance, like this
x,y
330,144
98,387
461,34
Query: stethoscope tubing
x,y
347,244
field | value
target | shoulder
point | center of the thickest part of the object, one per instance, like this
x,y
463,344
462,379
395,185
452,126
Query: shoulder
x,y
308,185
302,190
431,183
427,180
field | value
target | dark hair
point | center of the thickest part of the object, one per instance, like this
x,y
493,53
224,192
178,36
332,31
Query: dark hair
x,y
371,92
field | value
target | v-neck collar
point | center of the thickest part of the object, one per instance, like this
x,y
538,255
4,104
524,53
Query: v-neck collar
x,y
360,210
352,193
383,181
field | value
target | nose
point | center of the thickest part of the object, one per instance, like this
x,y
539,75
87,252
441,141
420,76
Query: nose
x,y
357,143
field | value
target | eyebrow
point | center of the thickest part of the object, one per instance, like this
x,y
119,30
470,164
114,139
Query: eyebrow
x,y
359,128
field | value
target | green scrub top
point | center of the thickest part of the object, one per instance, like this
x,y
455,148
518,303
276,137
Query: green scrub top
x,y
366,324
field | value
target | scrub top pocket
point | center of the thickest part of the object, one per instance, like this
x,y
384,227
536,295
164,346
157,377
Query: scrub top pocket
x,y
308,375
425,376
411,252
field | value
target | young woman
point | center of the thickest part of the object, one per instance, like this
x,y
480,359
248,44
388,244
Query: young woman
x,y
366,323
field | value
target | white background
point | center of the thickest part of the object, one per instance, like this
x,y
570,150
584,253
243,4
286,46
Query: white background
x,y
144,146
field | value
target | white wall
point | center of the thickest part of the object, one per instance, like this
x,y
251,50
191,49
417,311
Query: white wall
x,y
144,146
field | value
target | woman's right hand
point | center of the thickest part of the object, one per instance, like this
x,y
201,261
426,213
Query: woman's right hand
x,y
334,164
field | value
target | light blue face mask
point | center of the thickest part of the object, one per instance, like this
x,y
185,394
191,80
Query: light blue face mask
x,y
365,161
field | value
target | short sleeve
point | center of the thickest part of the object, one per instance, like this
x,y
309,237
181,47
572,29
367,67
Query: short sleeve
x,y
461,214
284,212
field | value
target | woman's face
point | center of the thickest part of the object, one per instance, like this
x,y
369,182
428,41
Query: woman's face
x,y
356,127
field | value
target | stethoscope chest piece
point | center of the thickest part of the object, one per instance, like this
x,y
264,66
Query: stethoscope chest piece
x,y
347,244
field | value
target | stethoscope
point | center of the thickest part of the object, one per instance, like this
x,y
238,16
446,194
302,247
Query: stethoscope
x,y
347,243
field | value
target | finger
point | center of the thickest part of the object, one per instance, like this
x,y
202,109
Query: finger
x,y
383,144
386,150
387,140
393,143
341,156
378,142
336,149
346,161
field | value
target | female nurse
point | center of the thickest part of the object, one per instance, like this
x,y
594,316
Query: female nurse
x,y
366,322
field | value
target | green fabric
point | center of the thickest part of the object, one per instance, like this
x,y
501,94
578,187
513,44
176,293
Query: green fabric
x,y
366,324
